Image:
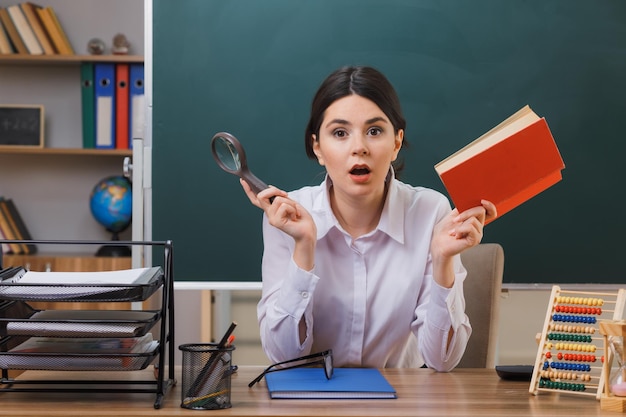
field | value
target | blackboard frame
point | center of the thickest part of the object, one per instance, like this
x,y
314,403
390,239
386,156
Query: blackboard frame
x,y
21,125
460,68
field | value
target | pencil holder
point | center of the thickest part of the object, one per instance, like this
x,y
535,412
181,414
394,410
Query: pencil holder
x,y
206,375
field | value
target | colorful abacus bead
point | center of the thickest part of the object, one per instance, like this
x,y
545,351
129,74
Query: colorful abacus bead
x,y
580,301
568,318
546,383
578,310
581,367
569,337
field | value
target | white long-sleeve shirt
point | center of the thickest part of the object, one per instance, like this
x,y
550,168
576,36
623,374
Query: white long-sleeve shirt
x,y
372,300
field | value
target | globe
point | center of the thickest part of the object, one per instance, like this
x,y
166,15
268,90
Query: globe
x,y
111,205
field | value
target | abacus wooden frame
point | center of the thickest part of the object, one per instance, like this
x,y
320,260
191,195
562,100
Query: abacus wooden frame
x,y
619,300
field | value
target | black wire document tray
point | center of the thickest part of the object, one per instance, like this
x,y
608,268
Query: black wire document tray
x,y
78,354
99,338
79,361
125,285
20,319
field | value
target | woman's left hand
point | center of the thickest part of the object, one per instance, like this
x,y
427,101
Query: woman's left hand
x,y
459,231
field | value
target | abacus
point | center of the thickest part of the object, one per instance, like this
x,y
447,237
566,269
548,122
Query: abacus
x,y
571,350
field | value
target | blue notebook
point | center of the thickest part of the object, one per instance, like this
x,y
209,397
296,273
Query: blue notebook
x,y
346,383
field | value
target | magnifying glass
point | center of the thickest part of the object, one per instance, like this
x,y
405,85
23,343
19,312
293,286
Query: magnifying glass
x,y
231,157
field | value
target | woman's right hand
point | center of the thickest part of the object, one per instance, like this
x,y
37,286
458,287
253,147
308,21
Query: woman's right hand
x,y
290,217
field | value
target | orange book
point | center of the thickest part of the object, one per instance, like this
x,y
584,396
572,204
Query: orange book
x,y
56,36
508,165
30,11
55,19
121,106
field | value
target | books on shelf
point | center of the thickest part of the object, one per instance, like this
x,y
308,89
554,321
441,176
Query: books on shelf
x,y
55,31
24,29
346,383
30,12
5,43
508,165
12,226
8,207
6,232
9,232
67,45
14,35
32,30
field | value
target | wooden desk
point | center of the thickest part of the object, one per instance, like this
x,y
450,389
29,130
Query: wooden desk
x,y
421,392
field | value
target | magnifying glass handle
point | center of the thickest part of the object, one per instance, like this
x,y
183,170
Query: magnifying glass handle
x,y
255,183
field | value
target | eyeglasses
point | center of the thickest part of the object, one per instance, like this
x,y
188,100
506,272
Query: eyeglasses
x,y
325,358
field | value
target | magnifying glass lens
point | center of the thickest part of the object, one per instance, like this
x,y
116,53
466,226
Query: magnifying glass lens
x,y
227,154
231,157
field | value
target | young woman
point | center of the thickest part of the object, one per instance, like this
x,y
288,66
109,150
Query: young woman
x,y
363,264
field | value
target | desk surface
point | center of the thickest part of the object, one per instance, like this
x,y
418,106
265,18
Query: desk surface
x,y
421,392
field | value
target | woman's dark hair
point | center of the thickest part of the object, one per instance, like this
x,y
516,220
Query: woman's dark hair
x,y
363,81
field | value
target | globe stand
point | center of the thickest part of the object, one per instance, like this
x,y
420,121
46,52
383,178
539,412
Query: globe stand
x,y
114,251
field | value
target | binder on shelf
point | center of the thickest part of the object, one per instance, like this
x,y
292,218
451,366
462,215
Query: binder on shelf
x,y
30,12
87,90
5,42
14,35
137,102
121,106
24,29
104,77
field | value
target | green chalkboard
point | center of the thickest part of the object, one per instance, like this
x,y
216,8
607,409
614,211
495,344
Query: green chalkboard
x,y
251,67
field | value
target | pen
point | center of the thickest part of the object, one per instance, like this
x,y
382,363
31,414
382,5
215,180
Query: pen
x,y
210,365
227,335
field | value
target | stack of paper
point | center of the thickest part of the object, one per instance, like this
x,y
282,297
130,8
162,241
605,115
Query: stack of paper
x,y
63,285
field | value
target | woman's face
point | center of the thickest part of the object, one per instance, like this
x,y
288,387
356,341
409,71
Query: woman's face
x,y
357,144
